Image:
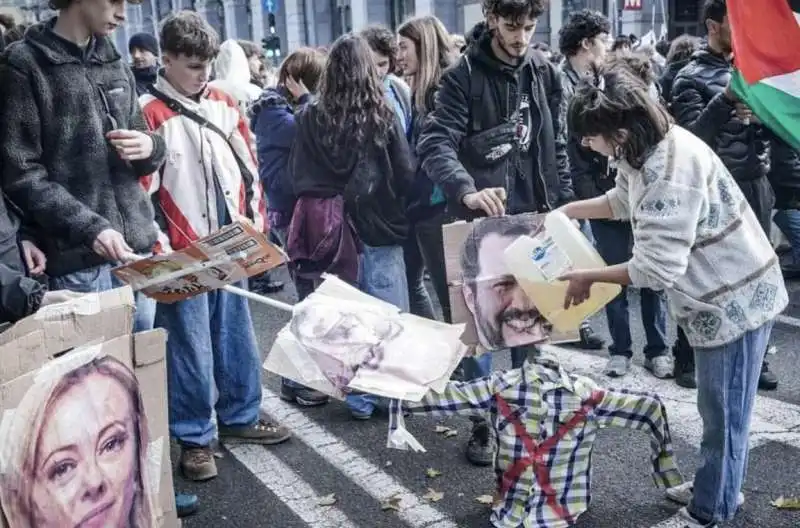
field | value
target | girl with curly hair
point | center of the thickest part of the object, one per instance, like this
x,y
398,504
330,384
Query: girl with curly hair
x,y
350,146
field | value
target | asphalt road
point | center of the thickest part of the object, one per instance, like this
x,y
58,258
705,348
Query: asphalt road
x,y
281,486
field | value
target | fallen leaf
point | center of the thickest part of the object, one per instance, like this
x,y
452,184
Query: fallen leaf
x,y
485,499
441,429
392,503
451,433
432,473
433,495
388,463
787,503
327,500
460,494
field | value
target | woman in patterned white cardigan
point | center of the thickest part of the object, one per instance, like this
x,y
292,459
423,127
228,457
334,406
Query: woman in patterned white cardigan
x,y
696,238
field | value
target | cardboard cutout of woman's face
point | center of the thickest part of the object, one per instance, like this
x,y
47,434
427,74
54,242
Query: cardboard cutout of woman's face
x,y
86,467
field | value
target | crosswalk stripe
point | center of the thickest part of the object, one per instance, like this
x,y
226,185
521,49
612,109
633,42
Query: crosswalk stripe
x,y
366,475
772,420
289,487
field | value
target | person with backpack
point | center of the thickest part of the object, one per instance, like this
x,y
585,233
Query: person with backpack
x,y
496,143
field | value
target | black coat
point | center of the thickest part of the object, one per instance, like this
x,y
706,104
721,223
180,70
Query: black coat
x,y
699,105
57,103
540,181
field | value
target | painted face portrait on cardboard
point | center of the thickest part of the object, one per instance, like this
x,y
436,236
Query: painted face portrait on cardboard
x,y
75,452
504,316
344,337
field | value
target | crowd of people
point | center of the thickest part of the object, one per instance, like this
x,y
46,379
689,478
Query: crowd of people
x,y
353,157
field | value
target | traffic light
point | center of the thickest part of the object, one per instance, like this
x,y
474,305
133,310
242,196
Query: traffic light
x,y
271,20
271,43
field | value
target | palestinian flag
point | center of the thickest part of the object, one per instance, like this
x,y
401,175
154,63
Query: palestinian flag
x,y
766,46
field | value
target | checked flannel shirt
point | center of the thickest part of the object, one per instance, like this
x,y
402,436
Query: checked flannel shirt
x,y
546,421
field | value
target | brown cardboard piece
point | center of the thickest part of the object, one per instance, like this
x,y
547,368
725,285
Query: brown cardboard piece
x,y
103,321
454,237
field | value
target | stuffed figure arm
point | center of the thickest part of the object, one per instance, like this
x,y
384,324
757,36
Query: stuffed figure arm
x,y
459,397
642,411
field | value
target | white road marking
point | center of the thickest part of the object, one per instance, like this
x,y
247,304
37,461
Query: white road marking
x,y
290,487
772,421
360,471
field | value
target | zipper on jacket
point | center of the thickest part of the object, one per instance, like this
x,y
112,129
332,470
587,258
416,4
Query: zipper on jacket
x,y
538,137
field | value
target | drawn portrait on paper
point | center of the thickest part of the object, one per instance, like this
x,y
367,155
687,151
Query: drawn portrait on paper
x,y
483,292
74,453
344,337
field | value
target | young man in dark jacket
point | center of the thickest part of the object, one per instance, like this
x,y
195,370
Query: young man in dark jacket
x,y
143,48
496,141
703,103
74,144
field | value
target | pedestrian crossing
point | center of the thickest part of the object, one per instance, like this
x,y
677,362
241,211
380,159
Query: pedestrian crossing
x,y
352,455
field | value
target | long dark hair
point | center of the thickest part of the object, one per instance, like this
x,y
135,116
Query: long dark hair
x,y
616,99
352,107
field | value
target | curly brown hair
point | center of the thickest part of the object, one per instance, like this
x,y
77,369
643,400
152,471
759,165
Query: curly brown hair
x,y
352,108
187,33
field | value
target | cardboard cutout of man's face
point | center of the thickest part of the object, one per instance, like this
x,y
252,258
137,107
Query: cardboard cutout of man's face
x,y
504,315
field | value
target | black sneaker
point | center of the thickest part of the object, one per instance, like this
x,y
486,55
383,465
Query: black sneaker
x,y
767,380
684,365
590,340
303,396
481,447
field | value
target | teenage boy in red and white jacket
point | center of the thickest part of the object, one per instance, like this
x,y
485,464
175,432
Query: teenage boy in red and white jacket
x,y
201,188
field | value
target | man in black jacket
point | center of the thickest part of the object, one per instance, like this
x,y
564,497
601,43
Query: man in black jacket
x,y
704,103
495,142
74,144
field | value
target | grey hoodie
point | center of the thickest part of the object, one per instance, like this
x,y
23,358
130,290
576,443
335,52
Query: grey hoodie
x,y
57,102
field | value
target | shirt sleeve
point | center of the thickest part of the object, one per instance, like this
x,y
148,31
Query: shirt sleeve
x,y
642,411
457,398
618,198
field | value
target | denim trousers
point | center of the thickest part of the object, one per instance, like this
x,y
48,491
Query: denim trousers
x,y
382,275
213,363
788,221
613,241
727,382
100,278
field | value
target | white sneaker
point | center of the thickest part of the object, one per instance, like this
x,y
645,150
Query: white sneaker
x,y
683,494
662,367
617,366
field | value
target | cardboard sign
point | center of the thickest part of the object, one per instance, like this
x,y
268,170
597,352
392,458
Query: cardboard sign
x,y
232,254
340,340
83,431
484,293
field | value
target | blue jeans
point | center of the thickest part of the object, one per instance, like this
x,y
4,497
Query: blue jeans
x,y
788,220
211,348
727,381
613,241
383,276
100,278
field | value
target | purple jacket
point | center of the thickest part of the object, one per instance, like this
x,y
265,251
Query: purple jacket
x,y
322,239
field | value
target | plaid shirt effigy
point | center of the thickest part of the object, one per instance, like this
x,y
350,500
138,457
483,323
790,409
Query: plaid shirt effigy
x,y
546,422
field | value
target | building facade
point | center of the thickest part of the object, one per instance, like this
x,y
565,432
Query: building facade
x,y
318,22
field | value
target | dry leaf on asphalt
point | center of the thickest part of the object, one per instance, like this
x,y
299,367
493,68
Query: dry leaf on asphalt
x,y
432,473
388,463
485,499
392,503
433,495
327,500
441,429
787,503
451,433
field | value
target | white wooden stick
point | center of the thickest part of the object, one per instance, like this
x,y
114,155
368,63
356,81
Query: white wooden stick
x,y
259,298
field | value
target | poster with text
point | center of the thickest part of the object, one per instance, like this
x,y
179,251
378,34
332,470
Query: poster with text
x,y
227,256
484,294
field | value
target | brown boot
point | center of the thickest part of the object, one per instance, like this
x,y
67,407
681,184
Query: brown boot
x,y
198,464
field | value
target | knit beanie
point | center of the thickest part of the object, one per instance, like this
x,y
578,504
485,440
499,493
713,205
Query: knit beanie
x,y
144,41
